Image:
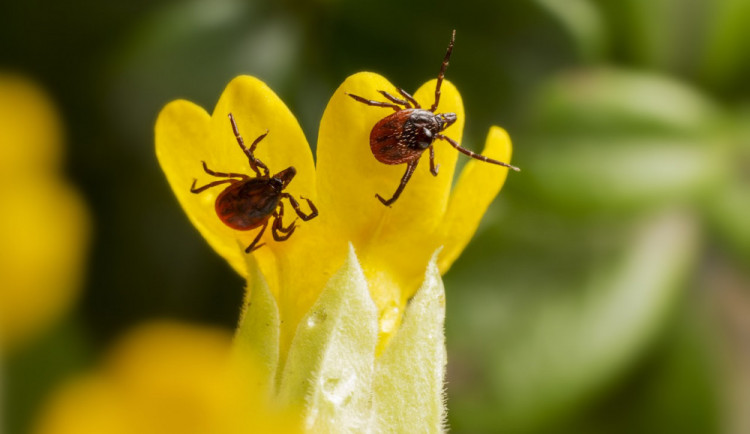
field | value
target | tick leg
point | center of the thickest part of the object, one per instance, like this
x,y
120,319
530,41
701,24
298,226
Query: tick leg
x,y
288,229
277,229
280,216
409,171
394,99
254,162
223,174
209,185
433,167
475,155
441,75
252,247
295,205
409,98
375,103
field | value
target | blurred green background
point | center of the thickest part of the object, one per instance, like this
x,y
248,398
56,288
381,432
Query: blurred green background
x,y
608,288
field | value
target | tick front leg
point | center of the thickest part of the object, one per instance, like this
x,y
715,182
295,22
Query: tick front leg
x,y
473,154
252,247
409,171
374,103
209,185
254,162
441,75
433,167
295,205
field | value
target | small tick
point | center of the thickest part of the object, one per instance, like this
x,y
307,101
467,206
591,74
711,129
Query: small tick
x,y
247,202
403,136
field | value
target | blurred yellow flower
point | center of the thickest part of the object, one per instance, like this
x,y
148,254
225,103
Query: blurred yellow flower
x,y
44,226
393,244
166,378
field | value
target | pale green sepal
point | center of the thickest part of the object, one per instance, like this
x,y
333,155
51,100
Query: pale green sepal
x,y
257,335
329,369
409,377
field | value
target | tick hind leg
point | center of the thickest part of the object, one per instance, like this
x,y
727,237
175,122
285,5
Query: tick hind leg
x,y
278,229
223,174
473,154
209,185
230,179
407,175
375,103
254,245
305,217
280,216
254,162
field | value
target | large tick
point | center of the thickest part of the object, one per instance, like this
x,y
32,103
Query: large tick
x,y
247,203
403,136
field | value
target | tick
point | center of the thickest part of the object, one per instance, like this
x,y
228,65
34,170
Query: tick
x,y
402,137
250,202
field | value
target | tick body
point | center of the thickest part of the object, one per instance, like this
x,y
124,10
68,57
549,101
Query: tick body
x,y
402,137
251,202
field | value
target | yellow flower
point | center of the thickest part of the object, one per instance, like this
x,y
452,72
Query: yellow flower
x,y
166,378
392,244
326,311
44,224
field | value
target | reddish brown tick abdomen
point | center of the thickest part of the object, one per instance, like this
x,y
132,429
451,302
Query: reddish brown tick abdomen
x,y
247,204
387,141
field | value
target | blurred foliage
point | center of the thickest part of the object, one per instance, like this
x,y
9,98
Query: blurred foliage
x,y
588,300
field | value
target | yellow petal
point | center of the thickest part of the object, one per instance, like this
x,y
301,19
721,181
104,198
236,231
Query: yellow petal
x,y
393,243
44,233
349,176
30,130
187,135
477,186
44,224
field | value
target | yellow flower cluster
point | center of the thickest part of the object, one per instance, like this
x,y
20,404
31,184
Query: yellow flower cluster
x,y
393,245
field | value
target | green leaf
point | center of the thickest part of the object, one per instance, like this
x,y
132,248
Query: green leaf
x,y
608,101
329,368
728,207
612,139
658,34
730,213
258,333
582,19
623,173
409,375
558,328
725,60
